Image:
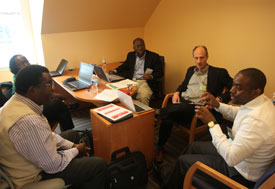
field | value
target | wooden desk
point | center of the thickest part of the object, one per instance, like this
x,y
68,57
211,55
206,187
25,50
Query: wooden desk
x,y
84,95
137,133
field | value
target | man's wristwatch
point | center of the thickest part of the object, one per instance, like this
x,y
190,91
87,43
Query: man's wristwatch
x,y
211,124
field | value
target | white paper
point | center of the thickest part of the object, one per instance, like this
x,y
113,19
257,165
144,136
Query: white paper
x,y
121,84
113,111
149,71
107,95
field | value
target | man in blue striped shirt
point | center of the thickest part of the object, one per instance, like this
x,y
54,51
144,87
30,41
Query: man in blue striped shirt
x,y
30,151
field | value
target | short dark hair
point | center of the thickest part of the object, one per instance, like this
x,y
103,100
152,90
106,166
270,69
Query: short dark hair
x,y
28,76
138,39
257,79
13,66
204,47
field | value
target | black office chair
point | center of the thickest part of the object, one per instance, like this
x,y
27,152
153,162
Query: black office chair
x,y
158,85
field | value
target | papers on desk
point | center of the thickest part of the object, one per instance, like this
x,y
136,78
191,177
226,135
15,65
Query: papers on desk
x,y
114,113
107,95
121,84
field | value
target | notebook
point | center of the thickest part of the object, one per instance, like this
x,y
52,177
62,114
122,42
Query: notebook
x,y
131,104
60,68
107,77
84,77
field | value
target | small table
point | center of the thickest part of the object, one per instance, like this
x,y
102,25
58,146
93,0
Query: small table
x,y
137,133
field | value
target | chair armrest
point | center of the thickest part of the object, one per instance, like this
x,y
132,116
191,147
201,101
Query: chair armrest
x,y
55,183
269,183
211,172
166,98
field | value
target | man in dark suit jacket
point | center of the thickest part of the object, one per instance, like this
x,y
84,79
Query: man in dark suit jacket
x,y
198,79
143,66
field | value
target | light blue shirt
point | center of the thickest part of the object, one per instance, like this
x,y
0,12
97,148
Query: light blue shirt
x,y
139,67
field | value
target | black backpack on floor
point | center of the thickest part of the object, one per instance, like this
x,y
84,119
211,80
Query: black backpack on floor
x,y
127,171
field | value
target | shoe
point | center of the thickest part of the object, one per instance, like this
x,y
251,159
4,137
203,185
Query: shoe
x,y
159,155
162,173
156,173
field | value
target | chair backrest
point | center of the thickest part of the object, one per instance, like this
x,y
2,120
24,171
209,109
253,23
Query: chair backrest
x,y
266,181
266,175
162,60
5,92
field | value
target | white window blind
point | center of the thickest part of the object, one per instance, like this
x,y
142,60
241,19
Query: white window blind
x,y
15,32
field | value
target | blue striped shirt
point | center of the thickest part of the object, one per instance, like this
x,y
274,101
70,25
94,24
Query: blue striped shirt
x,y
31,137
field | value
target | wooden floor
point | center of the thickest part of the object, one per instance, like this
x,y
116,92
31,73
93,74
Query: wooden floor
x,y
176,143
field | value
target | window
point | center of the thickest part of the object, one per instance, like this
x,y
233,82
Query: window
x,y
15,32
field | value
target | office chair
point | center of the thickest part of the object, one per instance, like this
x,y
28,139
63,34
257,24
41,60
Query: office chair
x,y
158,93
266,181
56,183
194,129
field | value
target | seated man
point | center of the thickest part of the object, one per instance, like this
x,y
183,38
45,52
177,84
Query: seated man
x,y
30,151
250,148
198,79
55,110
144,67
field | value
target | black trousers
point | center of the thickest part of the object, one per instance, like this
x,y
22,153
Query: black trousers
x,y
206,153
57,111
180,113
84,172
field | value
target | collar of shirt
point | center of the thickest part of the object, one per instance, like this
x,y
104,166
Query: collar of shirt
x,y
38,109
141,58
255,102
202,71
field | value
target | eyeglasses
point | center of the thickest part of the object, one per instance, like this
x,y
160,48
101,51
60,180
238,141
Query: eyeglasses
x,y
50,84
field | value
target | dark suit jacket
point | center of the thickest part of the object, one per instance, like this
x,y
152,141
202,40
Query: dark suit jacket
x,y
152,61
217,80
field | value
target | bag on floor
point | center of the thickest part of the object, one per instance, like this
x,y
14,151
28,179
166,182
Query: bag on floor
x,y
127,171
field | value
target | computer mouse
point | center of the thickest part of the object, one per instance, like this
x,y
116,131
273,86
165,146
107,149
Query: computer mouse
x,y
69,79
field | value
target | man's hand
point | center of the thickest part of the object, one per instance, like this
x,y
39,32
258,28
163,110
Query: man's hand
x,y
204,114
83,149
210,100
147,76
176,97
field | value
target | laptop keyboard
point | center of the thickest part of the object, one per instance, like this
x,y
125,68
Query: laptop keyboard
x,y
113,77
79,85
138,108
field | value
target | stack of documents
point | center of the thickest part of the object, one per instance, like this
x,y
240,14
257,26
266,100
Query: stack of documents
x,y
114,113
121,84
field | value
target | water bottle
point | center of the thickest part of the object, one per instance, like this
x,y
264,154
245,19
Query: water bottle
x,y
104,65
273,98
94,86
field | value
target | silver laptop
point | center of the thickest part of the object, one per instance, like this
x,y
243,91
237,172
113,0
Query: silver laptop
x,y
84,77
107,77
131,104
60,68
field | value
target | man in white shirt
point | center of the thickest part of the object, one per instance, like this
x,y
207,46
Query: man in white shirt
x,y
250,149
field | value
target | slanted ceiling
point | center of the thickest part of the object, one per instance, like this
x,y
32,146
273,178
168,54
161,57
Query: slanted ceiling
x,y
85,15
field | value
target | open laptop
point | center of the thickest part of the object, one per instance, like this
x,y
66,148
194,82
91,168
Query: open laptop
x,y
84,77
107,77
131,104
60,68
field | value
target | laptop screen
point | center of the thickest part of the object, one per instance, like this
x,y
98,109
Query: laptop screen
x,y
100,73
86,72
62,65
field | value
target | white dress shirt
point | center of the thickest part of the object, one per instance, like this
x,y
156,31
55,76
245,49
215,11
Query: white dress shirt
x,y
252,147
